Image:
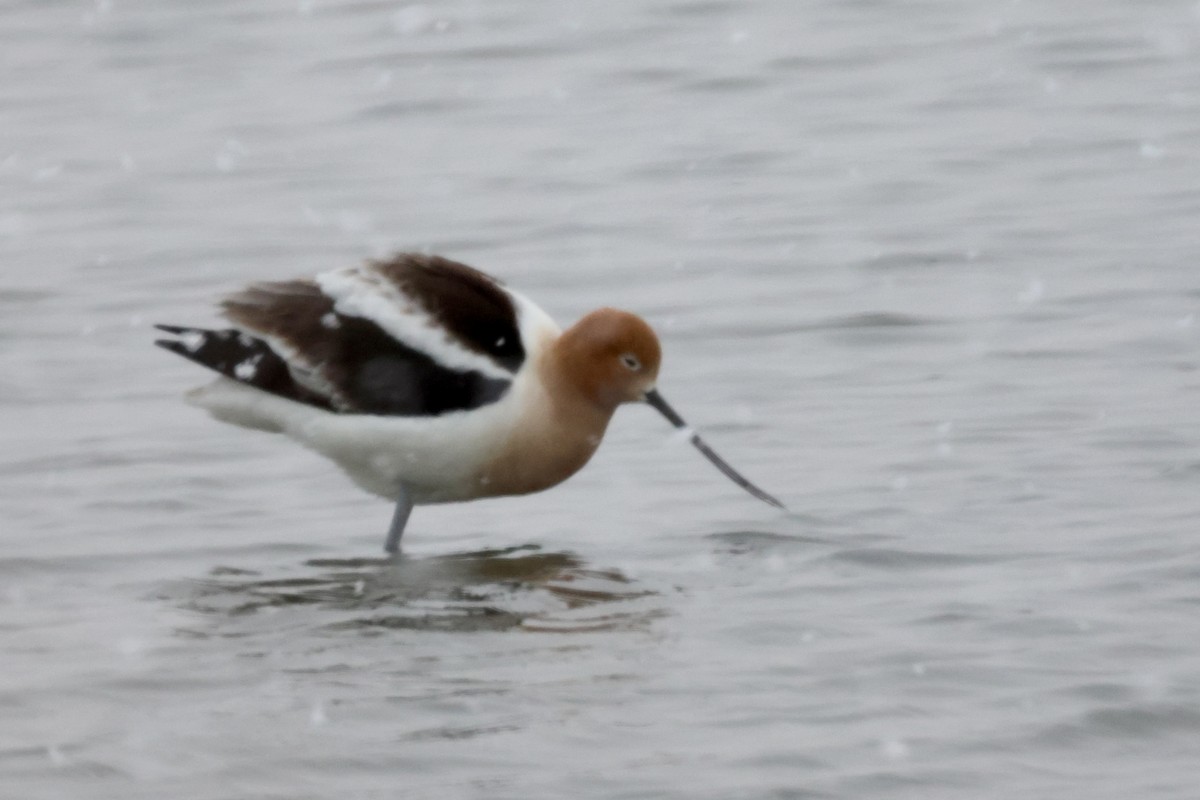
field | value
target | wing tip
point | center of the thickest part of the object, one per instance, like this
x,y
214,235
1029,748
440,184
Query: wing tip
x,y
175,345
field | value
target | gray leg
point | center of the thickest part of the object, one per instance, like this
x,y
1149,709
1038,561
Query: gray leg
x,y
404,507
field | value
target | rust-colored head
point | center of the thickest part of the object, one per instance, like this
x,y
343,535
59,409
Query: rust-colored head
x,y
610,357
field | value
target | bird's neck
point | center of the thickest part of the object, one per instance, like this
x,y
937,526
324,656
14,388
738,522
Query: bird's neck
x,y
569,371
558,432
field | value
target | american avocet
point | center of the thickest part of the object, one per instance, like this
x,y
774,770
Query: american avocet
x,y
428,381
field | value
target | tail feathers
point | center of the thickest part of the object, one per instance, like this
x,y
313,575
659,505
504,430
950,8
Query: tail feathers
x,y
239,356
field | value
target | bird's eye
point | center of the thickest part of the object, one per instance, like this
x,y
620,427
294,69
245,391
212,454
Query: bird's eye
x,y
631,362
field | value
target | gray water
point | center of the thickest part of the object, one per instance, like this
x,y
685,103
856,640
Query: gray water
x,y
929,271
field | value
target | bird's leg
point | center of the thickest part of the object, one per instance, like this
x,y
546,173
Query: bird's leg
x,y
404,507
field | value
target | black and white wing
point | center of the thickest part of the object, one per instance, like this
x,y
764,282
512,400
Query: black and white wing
x,y
413,336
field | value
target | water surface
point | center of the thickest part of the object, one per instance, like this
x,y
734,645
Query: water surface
x,y
928,271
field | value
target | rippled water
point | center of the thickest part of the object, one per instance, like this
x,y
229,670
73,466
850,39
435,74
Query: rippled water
x,y
930,271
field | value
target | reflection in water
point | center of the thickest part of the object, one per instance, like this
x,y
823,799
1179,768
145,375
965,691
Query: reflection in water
x,y
489,590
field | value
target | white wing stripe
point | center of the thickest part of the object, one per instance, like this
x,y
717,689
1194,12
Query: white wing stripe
x,y
359,293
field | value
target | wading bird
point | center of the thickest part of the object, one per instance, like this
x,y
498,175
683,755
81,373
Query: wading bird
x,y
426,380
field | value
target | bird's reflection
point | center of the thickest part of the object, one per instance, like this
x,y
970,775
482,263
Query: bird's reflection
x,y
495,589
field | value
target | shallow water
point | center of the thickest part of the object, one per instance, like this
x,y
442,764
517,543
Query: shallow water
x,y
928,271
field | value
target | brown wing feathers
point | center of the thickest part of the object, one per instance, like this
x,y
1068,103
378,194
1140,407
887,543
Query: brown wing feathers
x,y
311,353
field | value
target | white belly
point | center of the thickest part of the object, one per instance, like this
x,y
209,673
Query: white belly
x,y
438,459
